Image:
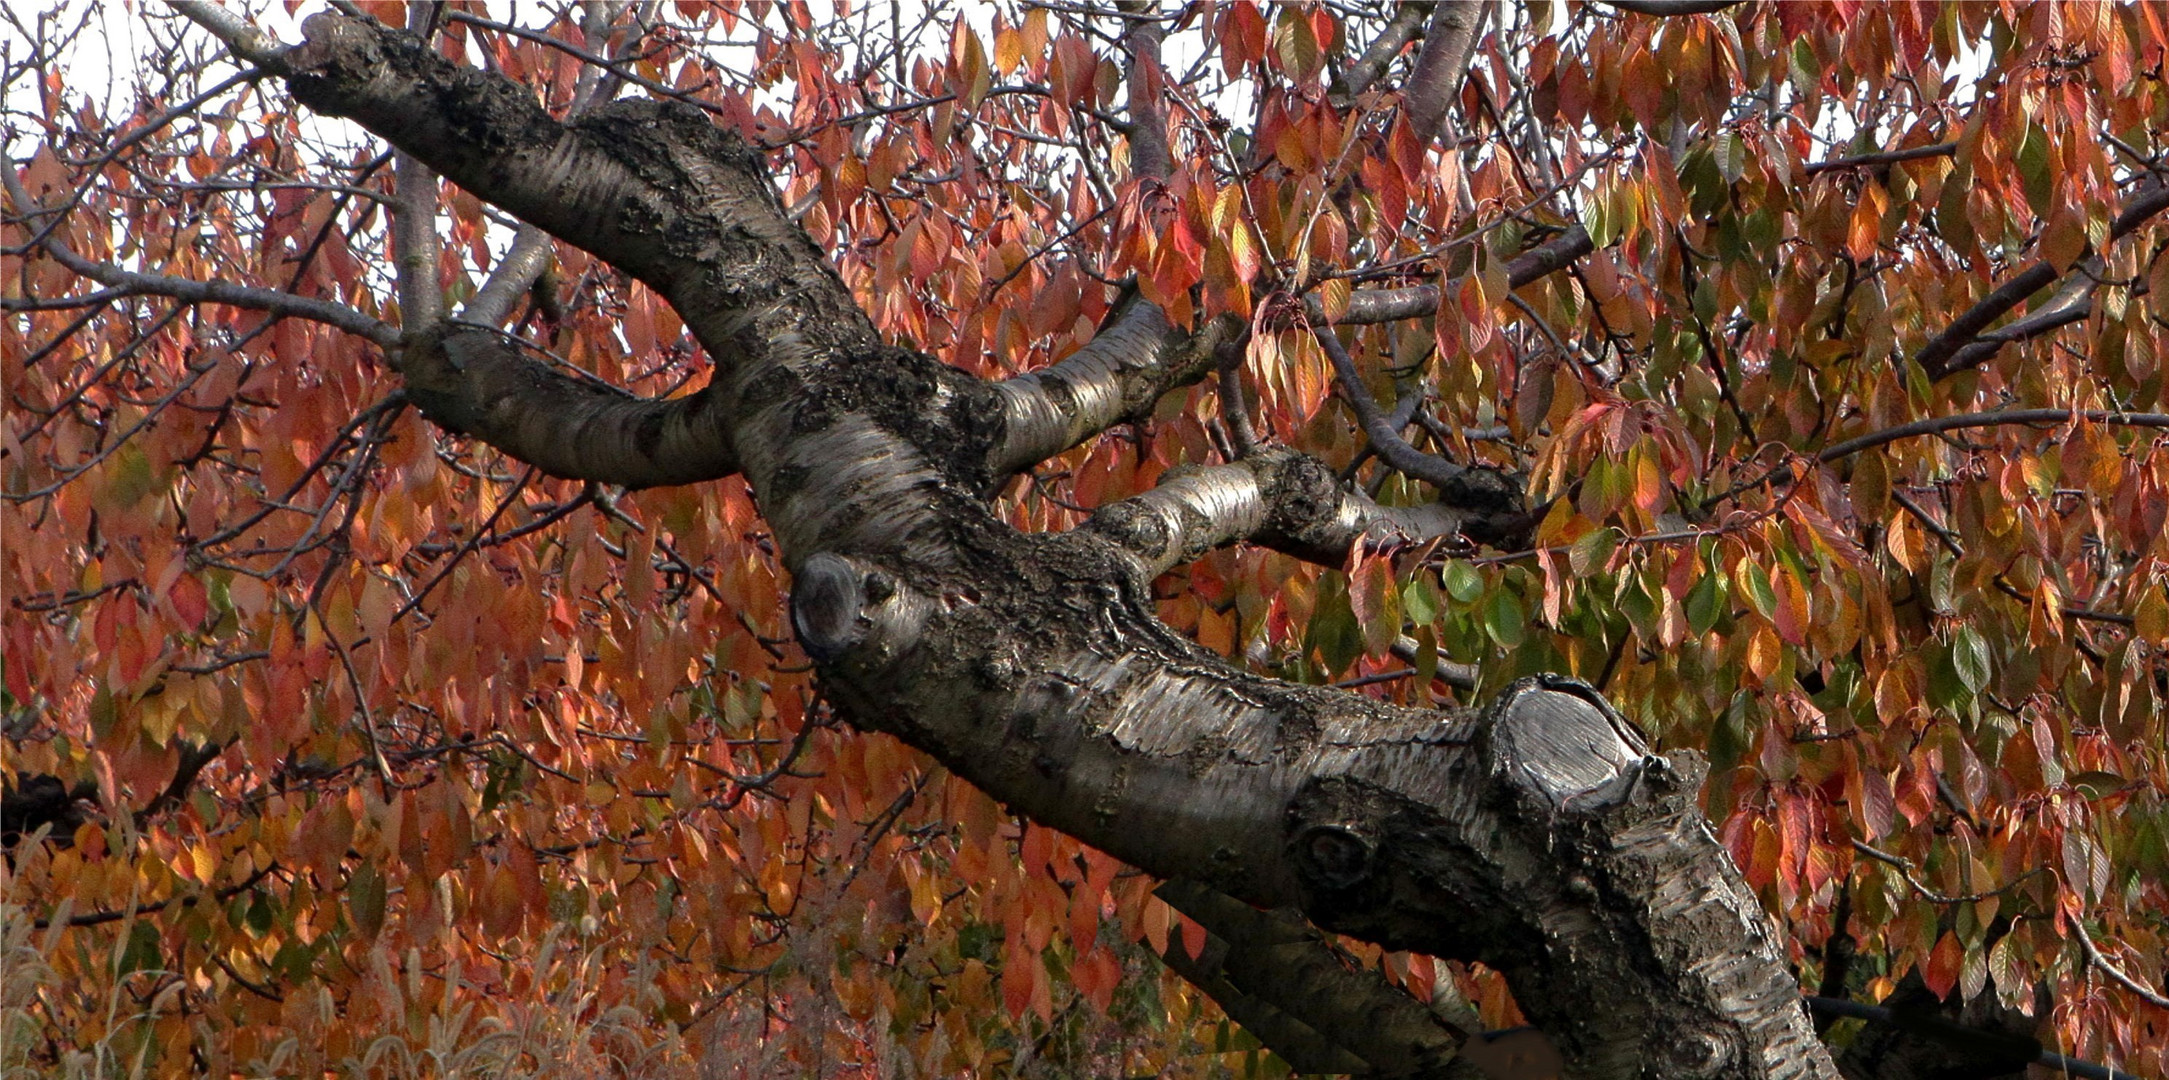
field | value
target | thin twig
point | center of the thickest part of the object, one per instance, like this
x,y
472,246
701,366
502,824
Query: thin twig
x,y
466,548
2093,956
1906,870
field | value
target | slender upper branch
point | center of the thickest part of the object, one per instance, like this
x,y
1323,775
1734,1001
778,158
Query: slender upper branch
x,y
1669,8
246,41
1882,157
1385,437
202,291
1996,418
1963,343
1420,301
509,280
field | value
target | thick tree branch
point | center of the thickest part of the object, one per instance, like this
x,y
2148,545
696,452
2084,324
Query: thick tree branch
x,y
1286,984
1448,43
1539,837
1275,498
415,248
477,381
1963,343
1135,359
1405,26
530,255
660,192
1150,156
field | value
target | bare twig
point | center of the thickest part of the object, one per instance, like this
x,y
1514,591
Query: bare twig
x,y
1906,870
2094,957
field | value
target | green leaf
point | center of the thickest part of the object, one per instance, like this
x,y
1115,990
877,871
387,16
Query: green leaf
x,y
1462,581
1806,67
2098,784
1945,689
1590,553
1297,46
133,478
1600,220
141,953
1705,603
1728,736
1969,658
1420,601
260,915
1333,630
1731,157
1377,604
365,899
1706,189
1504,621
2033,168
1953,223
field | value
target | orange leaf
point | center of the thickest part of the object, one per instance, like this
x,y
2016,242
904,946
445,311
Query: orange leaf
x,y
1941,972
1792,616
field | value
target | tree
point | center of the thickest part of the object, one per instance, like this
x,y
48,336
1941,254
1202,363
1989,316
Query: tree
x,y
620,634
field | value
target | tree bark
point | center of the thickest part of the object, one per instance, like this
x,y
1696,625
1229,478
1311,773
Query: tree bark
x,y
1540,836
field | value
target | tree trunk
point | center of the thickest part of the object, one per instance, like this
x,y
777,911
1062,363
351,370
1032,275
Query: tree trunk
x,y
1539,836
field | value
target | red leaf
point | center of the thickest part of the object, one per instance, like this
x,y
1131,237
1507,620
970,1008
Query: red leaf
x,y
1193,937
190,600
1941,971
1018,967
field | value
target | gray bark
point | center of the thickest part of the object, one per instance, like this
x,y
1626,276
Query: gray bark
x,y
1539,836
1448,43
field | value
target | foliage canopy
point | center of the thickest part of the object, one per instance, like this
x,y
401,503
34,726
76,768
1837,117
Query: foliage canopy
x,y
1838,459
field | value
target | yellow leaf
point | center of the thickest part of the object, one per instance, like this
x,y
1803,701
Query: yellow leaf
x,y
2151,619
1333,295
1008,50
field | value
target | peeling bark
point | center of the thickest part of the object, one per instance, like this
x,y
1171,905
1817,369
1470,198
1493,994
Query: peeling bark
x,y
1275,498
1539,836
1134,360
